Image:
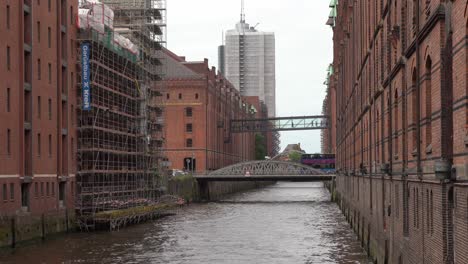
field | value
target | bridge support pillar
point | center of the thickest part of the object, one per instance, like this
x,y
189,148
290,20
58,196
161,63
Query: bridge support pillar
x,y
204,190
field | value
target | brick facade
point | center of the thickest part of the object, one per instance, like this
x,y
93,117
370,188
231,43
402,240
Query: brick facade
x,y
38,100
199,105
400,77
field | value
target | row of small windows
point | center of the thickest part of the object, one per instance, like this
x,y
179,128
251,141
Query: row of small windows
x,y
49,189
49,34
39,71
168,96
5,193
39,144
39,106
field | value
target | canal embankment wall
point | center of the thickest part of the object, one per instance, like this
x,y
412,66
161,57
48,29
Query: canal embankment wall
x,y
24,227
404,219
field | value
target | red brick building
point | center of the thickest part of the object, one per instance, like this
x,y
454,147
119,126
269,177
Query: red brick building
x,y
37,99
199,106
400,76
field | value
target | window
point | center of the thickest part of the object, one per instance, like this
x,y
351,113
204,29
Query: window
x,y
49,66
168,96
8,142
39,144
72,47
72,80
49,37
397,201
72,114
71,15
428,104
5,195
39,69
12,191
431,202
50,145
36,190
188,111
8,58
8,109
38,31
50,109
180,96
189,143
417,207
39,107
72,148
47,189
8,17
53,188
428,206
42,189
196,96
188,128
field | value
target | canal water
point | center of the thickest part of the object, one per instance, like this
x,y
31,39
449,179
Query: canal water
x,y
283,223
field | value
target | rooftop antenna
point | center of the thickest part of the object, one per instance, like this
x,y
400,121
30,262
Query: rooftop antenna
x,y
242,20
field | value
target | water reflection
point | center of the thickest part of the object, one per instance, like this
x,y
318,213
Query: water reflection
x,y
284,223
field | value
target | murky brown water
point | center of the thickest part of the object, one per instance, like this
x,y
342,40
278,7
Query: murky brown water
x,y
284,223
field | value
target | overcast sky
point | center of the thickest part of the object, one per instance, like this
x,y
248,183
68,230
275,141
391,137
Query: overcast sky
x,y
303,48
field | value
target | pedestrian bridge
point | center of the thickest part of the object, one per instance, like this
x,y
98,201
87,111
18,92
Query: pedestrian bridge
x,y
266,170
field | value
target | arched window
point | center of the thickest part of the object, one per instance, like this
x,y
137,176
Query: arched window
x,y
168,96
428,100
196,96
180,96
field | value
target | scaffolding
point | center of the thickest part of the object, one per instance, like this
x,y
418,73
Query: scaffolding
x,y
121,136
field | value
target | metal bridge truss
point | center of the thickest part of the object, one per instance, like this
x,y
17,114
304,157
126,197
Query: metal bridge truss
x,y
279,124
266,167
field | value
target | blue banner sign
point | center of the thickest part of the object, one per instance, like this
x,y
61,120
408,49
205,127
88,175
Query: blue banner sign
x,y
85,81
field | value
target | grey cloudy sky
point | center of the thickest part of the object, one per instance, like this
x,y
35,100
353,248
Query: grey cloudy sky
x,y
303,48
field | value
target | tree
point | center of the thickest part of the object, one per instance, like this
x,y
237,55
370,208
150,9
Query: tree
x,y
260,147
295,156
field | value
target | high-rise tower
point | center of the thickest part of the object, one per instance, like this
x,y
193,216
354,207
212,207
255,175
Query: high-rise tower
x,y
250,62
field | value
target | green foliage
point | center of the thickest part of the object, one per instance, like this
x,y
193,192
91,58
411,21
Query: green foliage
x,y
260,147
295,156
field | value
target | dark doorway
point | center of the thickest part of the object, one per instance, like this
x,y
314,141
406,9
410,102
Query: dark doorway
x,y
25,196
62,194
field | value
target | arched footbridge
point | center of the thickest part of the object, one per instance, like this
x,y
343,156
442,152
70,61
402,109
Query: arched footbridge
x,y
266,170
